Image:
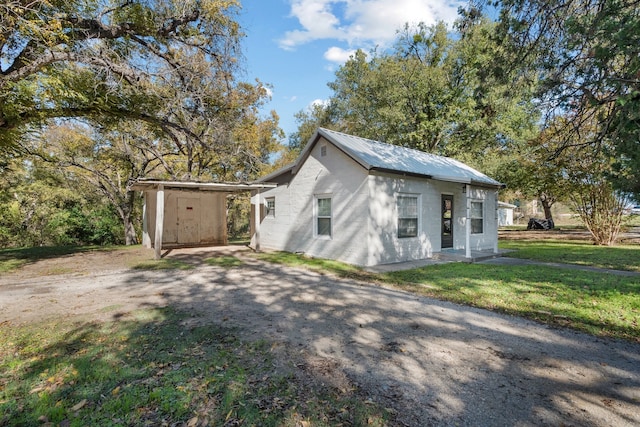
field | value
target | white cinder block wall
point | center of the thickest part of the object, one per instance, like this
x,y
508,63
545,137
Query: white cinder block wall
x,y
292,229
364,213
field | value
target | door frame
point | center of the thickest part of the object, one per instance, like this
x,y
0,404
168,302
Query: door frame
x,y
446,239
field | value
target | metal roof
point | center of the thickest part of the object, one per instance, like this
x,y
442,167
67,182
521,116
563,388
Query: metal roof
x,y
228,187
375,155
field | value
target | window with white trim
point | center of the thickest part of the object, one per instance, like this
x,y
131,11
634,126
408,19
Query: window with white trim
x,y
477,218
323,216
407,216
270,203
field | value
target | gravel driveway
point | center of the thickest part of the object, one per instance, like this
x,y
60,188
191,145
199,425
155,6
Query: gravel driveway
x,y
433,362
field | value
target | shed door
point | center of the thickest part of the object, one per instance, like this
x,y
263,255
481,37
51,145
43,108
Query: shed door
x,y
188,220
447,221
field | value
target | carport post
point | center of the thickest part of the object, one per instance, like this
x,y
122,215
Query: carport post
x,y
467,224
257,221
159,221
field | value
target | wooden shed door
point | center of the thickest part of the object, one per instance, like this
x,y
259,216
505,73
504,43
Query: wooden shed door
x,y
447,221
188,220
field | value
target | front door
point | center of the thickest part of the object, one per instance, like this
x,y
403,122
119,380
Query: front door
x,y
447,221
188,220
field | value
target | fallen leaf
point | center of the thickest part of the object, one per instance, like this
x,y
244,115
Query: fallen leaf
x,y
115,390
193,422
79,405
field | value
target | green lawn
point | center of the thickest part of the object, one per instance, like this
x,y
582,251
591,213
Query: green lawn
x,y
622,257
159,367
597,303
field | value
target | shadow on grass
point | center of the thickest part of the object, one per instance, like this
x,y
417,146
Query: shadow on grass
x,y
11,259
150,367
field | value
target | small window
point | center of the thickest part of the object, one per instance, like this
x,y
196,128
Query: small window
x,y
323,216
407,216
477,218
271,206
323,150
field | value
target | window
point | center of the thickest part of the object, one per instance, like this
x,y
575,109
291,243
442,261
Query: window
x,y
407,216
271,206
323,216
323,150
476,218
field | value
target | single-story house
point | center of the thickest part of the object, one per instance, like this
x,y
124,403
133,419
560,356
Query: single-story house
x,y
366,203
505,213
183,214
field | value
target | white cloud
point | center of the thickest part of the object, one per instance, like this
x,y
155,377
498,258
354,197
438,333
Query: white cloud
x,y
362,22
338,55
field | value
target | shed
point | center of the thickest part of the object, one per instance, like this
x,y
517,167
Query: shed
x,y
505,214
366,203
182,214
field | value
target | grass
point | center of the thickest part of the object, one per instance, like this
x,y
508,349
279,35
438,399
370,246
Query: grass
x,y
224,261
163,264
151,368
622,257
13,259
600,304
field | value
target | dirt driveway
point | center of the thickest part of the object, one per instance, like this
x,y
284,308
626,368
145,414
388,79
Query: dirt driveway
x,y
434,362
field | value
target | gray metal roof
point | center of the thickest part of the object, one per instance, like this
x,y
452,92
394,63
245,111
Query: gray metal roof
x,y
376,155
392,158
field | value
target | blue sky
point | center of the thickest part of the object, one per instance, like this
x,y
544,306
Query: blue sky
x,y
297,45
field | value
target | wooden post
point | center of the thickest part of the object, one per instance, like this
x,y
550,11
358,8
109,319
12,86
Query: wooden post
x,y
257,215
146,240
467,223
159,221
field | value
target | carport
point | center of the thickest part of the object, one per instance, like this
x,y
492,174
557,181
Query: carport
x,y
186,213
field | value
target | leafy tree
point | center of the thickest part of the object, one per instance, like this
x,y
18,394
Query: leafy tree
x,y
431,92
104,59
587,54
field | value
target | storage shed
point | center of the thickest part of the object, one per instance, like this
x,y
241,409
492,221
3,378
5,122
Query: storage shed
x,y
182,214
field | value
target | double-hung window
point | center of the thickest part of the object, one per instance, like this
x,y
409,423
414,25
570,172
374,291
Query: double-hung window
x,y
477,218
271,206
323,216
407,216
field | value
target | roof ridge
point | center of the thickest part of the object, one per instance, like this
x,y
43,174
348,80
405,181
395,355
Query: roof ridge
x,y
374,141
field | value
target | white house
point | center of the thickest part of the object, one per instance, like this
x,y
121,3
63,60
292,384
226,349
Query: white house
x,y
366,203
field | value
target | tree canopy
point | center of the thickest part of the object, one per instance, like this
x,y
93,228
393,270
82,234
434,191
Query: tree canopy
x,y
429,92
107,59
587,55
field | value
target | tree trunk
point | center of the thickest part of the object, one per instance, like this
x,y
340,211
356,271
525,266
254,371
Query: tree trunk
x,y
126,214
547,202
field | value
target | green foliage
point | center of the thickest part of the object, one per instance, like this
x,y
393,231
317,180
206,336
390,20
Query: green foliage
x,y
41,206
587,54
431,92
158,367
